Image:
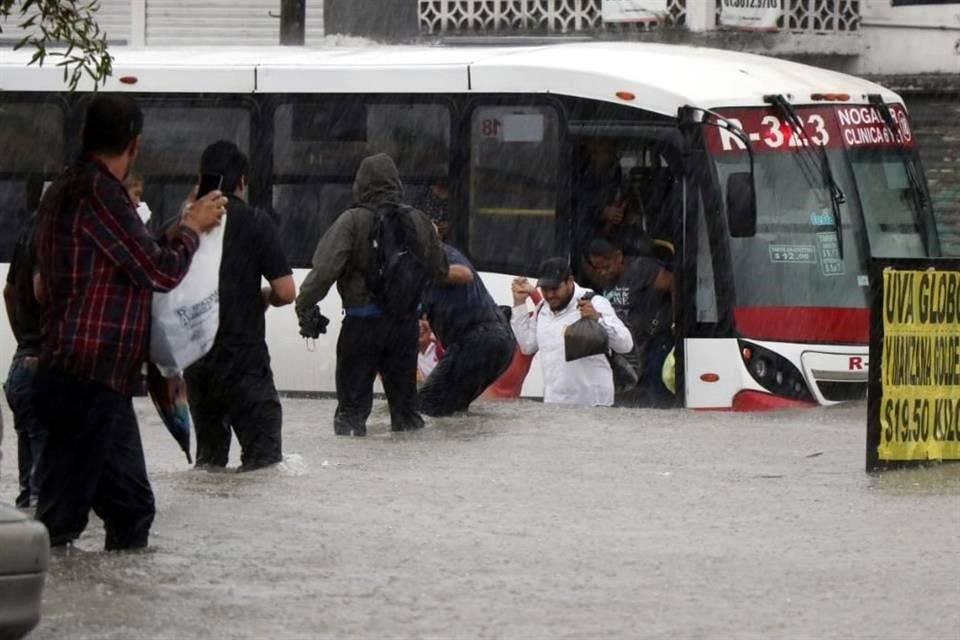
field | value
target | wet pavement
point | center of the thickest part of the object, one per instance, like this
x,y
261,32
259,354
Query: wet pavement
x,y
520,520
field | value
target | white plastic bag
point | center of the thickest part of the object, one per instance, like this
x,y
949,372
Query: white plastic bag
x,y
184,321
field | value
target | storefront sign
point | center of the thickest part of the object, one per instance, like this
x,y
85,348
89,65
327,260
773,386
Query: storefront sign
x,y
751,15
913,413
633,10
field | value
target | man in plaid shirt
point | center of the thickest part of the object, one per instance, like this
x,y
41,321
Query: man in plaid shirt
x,y
97,268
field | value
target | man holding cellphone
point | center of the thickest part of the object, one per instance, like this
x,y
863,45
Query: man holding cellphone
x,y
97,269
232,386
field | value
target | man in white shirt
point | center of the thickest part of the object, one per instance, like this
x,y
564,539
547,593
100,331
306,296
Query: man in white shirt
x,y
586,381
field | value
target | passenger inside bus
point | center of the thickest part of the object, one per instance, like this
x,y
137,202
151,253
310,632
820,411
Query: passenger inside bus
x,y
598,199
630,233
134,185
653,192
634,215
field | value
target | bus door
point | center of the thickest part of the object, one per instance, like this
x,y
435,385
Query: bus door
x,y
625,189
627,181
707,352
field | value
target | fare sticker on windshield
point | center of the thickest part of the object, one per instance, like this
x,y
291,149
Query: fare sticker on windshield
x,y
914,400
831,264
799,253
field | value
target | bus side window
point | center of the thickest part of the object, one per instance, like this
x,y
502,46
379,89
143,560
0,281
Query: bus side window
x,y
31,136
306,211
175,136
514,169
318,146
417,137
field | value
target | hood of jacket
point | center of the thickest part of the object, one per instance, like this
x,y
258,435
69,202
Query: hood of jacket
x,y
377,181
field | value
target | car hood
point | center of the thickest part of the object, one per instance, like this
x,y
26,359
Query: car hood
x,y
10,514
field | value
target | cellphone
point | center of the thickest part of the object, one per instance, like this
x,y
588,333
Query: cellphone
x,y
209,182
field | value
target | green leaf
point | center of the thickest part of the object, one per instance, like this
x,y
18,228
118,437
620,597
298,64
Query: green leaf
x,y
72,22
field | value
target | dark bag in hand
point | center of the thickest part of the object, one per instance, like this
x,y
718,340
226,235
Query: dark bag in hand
x,y
313,323
587,337
583,338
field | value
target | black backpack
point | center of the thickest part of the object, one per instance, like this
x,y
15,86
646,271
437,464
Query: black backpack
x,y
397,271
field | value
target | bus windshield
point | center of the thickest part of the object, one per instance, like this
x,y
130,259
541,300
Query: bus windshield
x,y
799,257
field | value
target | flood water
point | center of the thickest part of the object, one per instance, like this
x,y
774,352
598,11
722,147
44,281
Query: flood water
x,y
522,520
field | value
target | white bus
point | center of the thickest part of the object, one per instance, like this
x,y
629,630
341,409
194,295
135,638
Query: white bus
x,y
772,292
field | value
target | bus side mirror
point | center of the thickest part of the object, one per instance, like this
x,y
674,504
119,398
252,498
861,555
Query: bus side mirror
x,y
741,205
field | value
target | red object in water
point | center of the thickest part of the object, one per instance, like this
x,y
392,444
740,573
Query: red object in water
x,y
510,383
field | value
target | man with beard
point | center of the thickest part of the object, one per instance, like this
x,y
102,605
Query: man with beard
x,y
588,380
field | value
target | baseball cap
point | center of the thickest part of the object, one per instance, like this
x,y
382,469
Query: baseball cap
x,y
553,272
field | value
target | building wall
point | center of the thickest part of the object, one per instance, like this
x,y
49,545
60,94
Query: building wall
x,y
909,39
915,50
936,121
377,19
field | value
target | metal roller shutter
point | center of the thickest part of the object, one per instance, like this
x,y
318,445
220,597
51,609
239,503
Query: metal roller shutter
x,y
223,22
113,18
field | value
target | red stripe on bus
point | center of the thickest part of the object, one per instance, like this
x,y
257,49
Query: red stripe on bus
x,y
749,400
804,324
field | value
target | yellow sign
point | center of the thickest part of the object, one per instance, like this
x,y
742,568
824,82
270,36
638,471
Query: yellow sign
x,y
920,366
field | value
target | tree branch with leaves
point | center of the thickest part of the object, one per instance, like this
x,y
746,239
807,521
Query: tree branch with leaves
x,y
65,29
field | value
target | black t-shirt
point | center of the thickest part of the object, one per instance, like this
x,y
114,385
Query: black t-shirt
x,y
26,310
251,251
646,311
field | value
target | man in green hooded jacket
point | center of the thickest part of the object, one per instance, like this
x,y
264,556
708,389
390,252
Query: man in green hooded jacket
x,y
370,341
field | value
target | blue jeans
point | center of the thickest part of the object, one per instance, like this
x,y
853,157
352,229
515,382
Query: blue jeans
x,y
31,437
